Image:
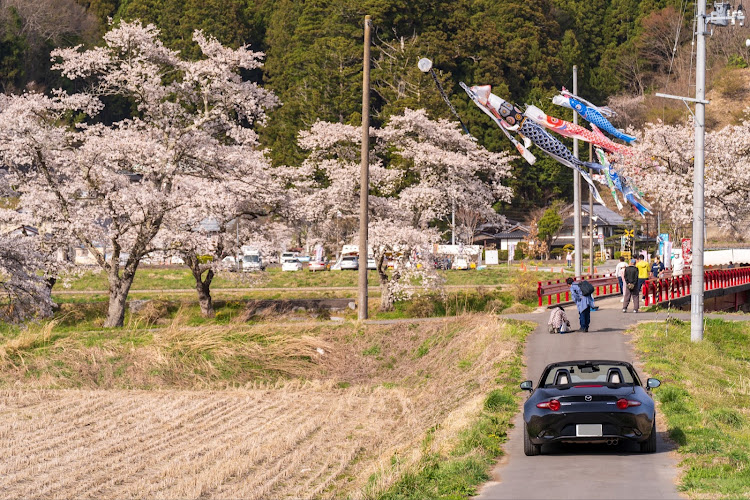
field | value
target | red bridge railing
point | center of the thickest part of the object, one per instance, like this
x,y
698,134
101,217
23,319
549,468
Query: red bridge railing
x,y
658,290
654,291
604,284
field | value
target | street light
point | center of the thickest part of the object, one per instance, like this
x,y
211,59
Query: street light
x,y
721,16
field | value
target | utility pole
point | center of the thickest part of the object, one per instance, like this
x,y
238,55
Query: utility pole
x,y
578,242
591,216
364,181
237,236
696,282
721,16
453,222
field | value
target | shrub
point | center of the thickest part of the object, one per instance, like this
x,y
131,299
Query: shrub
x,y
421,307
524,286
153,310
502,255
730,84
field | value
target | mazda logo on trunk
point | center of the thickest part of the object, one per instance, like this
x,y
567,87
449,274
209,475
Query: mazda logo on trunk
x,y
587,397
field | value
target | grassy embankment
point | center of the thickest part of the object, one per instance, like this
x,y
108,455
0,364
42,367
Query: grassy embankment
x,y
705,397
179,278
492,290
419,409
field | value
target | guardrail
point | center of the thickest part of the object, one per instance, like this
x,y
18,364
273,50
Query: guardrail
x,y
656,290
604,284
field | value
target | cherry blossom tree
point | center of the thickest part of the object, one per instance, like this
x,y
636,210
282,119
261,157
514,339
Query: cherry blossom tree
x,y
115,185
419,168
32,259
24,292
664,170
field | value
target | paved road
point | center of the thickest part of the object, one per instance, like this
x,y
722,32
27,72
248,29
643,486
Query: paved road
x,y
584,471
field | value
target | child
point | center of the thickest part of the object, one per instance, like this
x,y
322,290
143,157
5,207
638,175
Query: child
x,y
558,321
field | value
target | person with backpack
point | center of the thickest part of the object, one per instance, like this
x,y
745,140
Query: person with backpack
x,y
631,288
584,299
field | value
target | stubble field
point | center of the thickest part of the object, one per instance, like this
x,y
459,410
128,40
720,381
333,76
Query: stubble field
x,y
376,401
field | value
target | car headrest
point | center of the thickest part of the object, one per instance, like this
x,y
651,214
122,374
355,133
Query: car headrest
x,y
614,376
562,377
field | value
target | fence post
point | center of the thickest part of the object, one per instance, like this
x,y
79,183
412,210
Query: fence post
x,y
539,293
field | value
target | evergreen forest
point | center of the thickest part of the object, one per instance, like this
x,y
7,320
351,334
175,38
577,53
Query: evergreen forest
x,y
313,57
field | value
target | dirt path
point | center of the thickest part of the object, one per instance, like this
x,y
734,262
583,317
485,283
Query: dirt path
x,y
265,289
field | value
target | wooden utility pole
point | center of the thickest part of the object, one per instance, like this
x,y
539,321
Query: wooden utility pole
x,y
577,239
591,216
364,181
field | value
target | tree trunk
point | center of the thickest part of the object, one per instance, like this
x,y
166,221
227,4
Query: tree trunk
x,y
118,296
204,295
202,286
386,298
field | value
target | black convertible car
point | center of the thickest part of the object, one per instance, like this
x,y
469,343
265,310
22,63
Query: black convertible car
x,y
589,402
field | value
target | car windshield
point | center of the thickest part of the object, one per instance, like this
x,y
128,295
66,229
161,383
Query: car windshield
x,y
589,373
350,258
251,258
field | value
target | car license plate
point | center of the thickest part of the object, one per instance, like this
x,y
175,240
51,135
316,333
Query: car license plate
x,y
583,430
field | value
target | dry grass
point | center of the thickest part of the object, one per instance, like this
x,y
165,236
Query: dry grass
x,y
356,416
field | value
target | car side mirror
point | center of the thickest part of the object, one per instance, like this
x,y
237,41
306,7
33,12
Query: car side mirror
x,y
527,385
653,382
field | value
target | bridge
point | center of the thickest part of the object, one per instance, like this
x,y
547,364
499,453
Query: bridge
x,y
724,289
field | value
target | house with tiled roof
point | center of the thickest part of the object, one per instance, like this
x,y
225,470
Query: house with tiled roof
x,y
607,223
492,236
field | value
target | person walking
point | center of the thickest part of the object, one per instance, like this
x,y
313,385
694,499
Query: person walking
x,y
643,269
630,276
620,273
678,265
657,268
569,258
584,304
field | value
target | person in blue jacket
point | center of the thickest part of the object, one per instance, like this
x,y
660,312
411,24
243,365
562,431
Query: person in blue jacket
x,y
657,268
584,304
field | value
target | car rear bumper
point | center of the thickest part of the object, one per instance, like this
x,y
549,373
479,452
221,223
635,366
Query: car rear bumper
x,y
562,428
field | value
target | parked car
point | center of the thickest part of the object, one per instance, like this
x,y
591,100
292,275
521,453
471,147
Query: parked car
x,y
460,263
589,402
229,263
291,265
317,265
371,264
288,256
252,262
350,262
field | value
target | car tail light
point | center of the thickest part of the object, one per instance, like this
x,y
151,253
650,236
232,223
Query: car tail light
x,y
623,403
552,404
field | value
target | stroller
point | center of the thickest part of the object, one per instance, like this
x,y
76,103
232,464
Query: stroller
x,y
558,321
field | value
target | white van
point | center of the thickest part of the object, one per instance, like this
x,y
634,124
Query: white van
x,y
252,262
288,256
